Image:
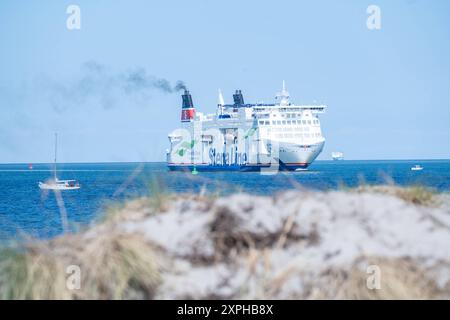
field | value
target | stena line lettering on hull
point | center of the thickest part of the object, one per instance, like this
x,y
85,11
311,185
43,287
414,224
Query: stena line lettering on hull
x,y
227,158
246,137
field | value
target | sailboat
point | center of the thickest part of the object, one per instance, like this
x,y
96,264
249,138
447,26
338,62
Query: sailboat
x,y
55,183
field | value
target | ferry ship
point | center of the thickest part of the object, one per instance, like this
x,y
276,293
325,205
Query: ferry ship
x,y
336,155
246,137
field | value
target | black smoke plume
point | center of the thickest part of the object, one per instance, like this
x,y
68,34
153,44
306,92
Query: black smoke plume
x,y
98,83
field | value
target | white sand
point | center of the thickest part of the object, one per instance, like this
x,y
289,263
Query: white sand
x,y
290,241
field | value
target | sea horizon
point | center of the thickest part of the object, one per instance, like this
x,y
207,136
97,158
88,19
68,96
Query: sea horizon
x,y
162,161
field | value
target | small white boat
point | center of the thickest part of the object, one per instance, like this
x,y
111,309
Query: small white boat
x,y
336,155
417,167
55,183
59,185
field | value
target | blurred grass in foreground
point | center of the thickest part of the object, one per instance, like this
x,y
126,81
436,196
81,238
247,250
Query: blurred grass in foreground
x,y
113,266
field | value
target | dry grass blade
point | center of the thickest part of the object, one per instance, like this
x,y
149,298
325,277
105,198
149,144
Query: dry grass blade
x,y
112,265
414,194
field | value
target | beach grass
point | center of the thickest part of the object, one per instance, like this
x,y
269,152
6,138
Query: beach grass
x,y
111,266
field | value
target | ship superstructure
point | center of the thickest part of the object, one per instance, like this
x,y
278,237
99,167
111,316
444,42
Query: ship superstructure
x,y
246,137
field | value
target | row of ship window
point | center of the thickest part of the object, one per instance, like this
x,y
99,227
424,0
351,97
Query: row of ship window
x,y
288,129
284,122
297,135
290,115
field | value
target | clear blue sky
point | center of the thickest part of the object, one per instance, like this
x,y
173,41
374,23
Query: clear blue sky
x,y
388,91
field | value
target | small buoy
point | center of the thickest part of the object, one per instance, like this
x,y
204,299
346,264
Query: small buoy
x,y
30,166
194,171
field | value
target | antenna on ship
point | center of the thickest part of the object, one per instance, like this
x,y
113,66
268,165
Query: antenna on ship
x,y
283,96
221,100
221,103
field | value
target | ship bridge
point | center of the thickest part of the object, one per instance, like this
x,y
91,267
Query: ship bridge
x,y
283,104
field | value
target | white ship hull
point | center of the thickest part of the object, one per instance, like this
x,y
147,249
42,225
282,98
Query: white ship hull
x,y
292,156
287,156
296,155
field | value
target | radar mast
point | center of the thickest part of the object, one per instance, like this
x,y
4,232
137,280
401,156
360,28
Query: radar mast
x,y
283,96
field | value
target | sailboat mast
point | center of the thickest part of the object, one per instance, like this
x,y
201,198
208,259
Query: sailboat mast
x,y
56,144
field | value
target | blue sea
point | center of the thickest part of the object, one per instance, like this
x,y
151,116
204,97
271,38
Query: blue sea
x,y
26,211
